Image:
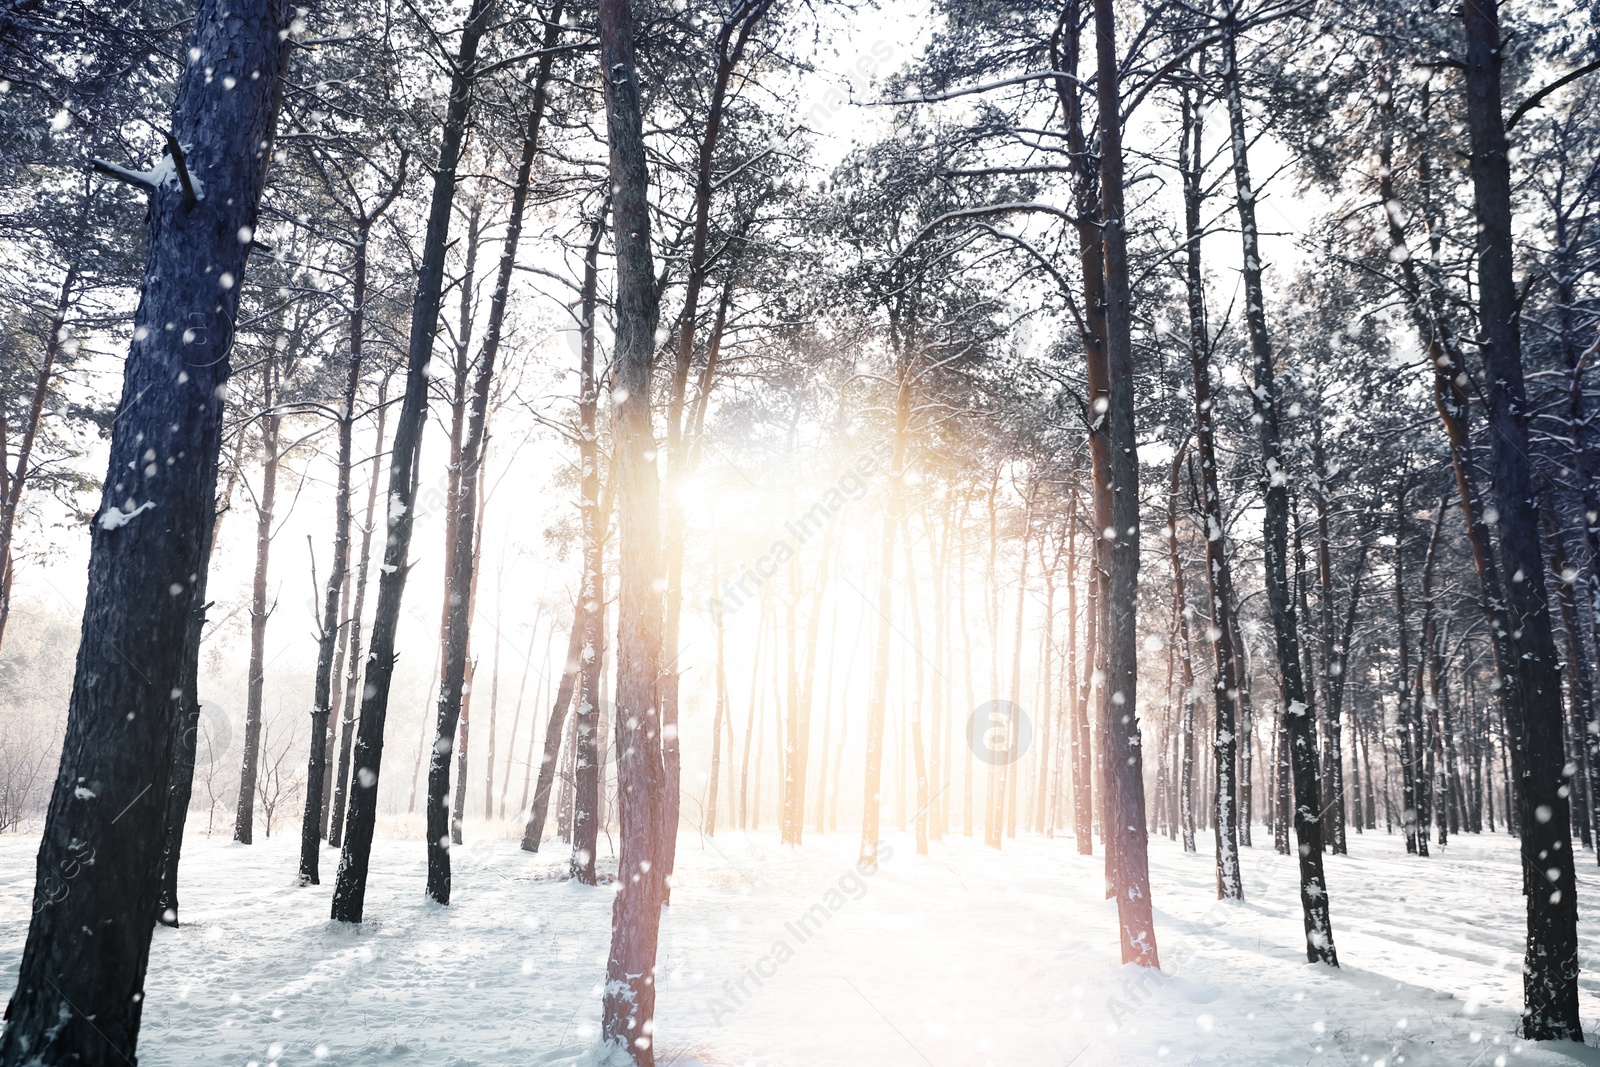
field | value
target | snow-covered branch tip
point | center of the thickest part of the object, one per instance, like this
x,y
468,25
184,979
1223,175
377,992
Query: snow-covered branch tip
x,y
172,170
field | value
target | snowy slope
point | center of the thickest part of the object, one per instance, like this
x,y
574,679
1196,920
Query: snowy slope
x,y
777,957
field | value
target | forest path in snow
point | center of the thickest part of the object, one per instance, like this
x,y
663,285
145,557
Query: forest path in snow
x,y
772,956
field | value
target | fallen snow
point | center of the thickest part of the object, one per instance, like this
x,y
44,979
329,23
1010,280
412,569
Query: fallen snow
x,y
964,957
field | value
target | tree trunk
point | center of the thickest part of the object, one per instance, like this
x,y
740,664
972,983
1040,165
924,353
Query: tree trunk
x,y
456,614
593,519
100,852
1550,971
349,896
1404,693
13,482
1181,611
533,832
628,1014
1452,400
1335,652
332,629
181,787
244,817
1586,724
1226,690
731,42
1111,384
352,682
1302,740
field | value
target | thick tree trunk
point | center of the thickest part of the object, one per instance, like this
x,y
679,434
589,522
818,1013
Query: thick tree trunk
x,y
1550,970
186,746
80,985
349,895
1065,51
1428,305
1112,384
1302,739
628,1012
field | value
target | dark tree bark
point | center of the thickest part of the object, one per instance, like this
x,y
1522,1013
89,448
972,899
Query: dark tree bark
x,y
1275,519
185,746
80,984
1335,651
1112,382
327,674
464,551
352,682
628,1011
1550,969
1338,679
1066,46
1580,671
1226,690
458,809
349,895
457,573
260,611
1424,293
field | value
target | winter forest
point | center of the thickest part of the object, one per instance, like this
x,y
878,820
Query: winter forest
x,y
904,532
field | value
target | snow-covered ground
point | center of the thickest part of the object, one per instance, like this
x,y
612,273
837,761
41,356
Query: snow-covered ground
x,y
774,956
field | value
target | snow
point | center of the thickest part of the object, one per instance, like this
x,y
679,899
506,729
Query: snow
x,y
114,518
772,956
